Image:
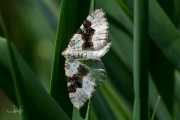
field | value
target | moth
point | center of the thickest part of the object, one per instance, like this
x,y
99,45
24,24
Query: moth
x,y
84,69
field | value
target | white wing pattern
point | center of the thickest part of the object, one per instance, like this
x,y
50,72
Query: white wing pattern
x,y
83,67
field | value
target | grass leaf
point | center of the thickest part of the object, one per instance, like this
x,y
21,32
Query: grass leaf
x,y
168,40
154,111
70,19
37,96
66,28
141,56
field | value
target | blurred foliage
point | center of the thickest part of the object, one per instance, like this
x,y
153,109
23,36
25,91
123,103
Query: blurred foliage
x,y
32,27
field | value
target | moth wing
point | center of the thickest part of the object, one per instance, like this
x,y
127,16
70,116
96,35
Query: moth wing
x,y
83,77
91,40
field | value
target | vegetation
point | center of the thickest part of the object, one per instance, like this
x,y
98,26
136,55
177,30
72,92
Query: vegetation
x,y
35,32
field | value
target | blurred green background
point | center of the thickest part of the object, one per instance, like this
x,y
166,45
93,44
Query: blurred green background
x,y
32,26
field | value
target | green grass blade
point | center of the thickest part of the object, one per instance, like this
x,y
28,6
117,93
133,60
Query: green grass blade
x,y
40,103
141,46
154,111
124,7
158,60
82,114
6,82
76,114
119,106
89,109
71,16
120,55
162,73
169,7
166,37
32,27
92,6
168,40
163,55
16,75
66,28
120,81
177,99
162,112
118,18
101,107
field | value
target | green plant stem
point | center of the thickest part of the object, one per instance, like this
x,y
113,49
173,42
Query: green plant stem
x,y
141,42
155,108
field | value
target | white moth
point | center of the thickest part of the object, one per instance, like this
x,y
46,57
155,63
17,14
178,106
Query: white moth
x,y
83,66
